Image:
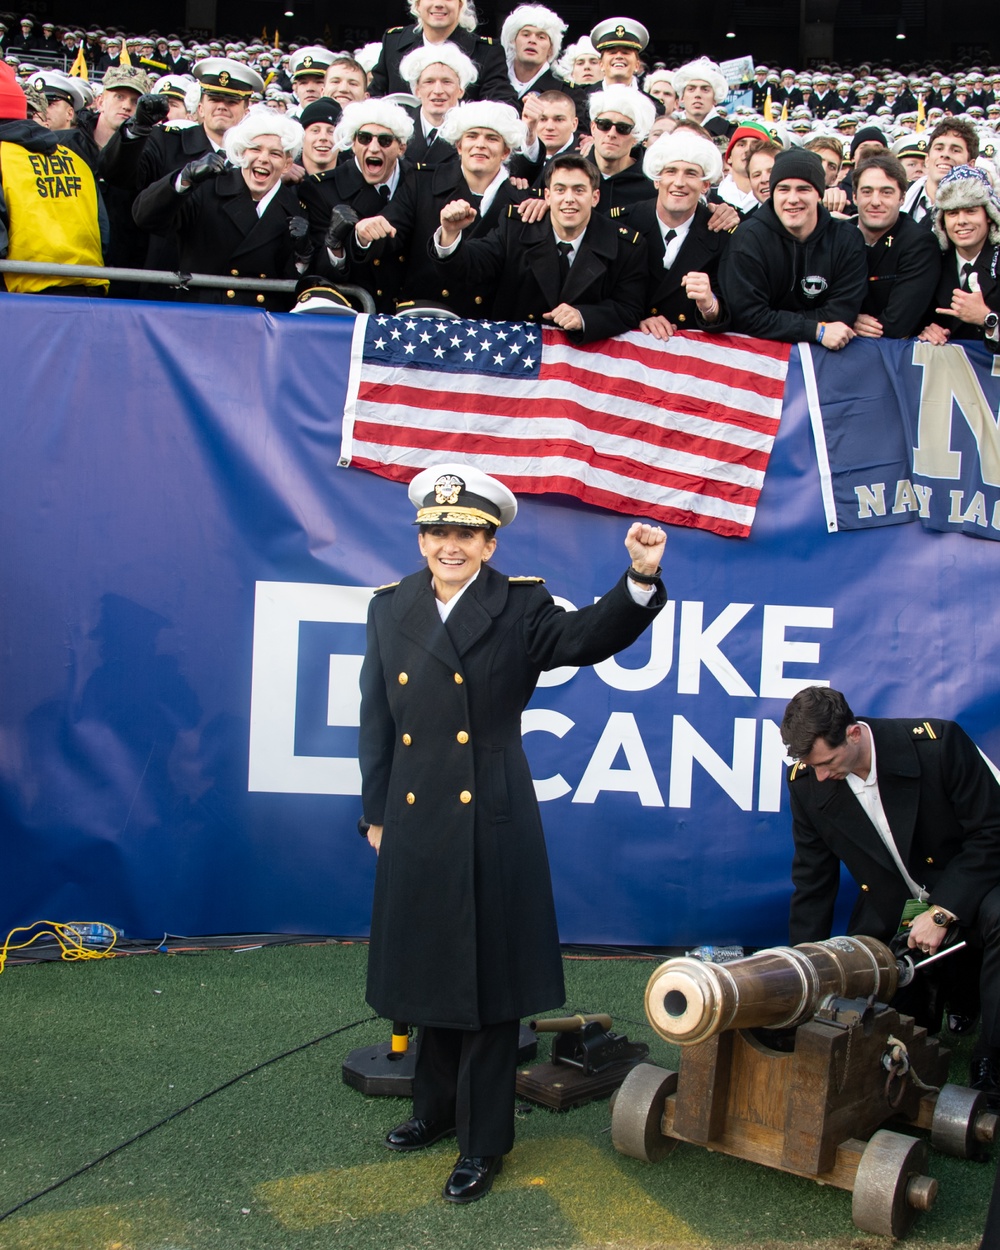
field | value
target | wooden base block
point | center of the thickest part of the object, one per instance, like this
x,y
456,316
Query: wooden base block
x,y
560,1086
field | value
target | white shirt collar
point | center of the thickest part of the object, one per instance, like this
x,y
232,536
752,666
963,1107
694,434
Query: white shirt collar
x,y
445,609
522,88
262,203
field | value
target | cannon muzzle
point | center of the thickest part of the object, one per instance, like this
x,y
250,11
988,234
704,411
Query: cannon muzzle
x,y
689,1001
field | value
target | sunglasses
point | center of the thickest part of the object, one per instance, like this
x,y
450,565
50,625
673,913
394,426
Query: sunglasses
x,y
605,124
364,137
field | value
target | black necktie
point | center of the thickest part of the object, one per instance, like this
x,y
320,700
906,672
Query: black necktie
x,y
431,135
668,238
966,270
383,193
564,253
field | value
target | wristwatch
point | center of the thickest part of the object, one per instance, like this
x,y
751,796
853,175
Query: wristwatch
x,y
941,917
990,322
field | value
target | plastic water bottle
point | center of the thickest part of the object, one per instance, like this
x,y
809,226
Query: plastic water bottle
x,y
94,933
716,954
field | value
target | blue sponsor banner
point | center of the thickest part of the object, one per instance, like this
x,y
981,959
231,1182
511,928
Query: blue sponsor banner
x,y
186,572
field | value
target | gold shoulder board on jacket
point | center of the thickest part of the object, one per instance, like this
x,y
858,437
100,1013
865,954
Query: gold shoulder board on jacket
x,y
388,586
925,731
798,769
526,581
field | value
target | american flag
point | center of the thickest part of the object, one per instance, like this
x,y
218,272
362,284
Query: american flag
x,y
679,432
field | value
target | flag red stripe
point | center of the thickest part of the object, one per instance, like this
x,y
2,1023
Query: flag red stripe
x,y
462,442
517,412
577,490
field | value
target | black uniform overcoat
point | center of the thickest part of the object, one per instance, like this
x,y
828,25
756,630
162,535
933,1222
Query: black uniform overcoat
x,y
701,252
219,232
943,807
904,265
463,924
487,56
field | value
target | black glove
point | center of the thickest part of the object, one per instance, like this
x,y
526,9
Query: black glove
x,y
298,228
343,219
208,166
149,112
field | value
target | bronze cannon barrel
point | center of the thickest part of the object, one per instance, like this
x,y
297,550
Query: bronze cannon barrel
x,y
568,1024
689,1001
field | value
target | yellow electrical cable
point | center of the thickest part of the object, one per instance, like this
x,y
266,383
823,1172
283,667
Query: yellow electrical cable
x,y
66,937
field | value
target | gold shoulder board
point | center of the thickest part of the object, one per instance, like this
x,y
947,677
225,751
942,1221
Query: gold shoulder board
x,y
526,581
387,586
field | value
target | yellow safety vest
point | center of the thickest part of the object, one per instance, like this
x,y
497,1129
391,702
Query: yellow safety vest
x,y
51,203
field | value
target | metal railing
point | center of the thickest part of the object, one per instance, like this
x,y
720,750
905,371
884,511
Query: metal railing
x,y
178,280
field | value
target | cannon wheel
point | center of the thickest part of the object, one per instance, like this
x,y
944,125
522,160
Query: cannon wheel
x,y
890,1189
953,1128
638,1110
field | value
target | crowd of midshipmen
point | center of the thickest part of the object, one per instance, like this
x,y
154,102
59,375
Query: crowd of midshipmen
x,y
582,185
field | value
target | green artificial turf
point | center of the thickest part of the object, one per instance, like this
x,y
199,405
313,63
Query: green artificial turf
x,y
291,1157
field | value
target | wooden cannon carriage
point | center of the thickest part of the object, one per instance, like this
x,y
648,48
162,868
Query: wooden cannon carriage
x,y
811,1100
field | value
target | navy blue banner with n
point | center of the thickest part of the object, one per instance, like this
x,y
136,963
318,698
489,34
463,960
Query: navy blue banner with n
x,y
186,571
906,431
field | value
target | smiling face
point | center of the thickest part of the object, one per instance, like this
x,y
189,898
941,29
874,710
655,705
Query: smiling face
x,y
679,187
967,228
879,200
482,152
454,554
439,17
797,205
218,112
619,64
264,162
438,89
375,161
532,48
571,200
344,84
318,152
946,153
759,172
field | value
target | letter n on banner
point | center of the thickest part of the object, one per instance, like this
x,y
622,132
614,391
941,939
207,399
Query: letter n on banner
x,y
280,686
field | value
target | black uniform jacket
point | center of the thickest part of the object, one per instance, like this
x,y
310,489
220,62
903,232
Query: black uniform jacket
x,y
904,265
463,923
415,211
520,264
700,252
629,186
780,288
487,56
943,807
219,232
987,270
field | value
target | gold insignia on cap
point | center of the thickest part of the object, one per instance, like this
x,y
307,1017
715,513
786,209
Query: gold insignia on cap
x,y
307,61
447,489
619,32
224,78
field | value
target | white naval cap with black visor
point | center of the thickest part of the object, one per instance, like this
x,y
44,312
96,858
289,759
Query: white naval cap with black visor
x,y
460,494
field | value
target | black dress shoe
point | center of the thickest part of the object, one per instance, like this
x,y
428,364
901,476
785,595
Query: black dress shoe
x,y
984,1075
415,1134
959,1023
472,1177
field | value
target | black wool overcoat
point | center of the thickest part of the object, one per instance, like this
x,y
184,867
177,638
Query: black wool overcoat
x,y
463,924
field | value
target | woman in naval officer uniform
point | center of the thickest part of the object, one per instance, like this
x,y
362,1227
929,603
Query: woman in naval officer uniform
x,y
464,939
